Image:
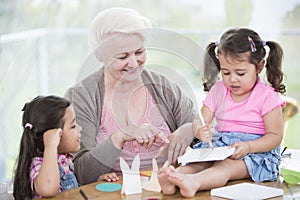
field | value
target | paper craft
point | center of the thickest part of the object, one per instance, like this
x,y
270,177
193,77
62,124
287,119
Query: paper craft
x,y
144,181
146,173
153,184
166,164
246,191
206,154
108,187
131,177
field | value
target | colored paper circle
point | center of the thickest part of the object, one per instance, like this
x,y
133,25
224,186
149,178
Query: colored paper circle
x,y
108,187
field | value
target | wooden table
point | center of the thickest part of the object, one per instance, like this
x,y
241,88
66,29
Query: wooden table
x,y
290,192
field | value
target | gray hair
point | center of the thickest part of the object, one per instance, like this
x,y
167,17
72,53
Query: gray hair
x,y
115,20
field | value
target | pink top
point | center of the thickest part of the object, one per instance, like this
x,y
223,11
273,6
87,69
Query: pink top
x,y
245,116
152,116
65,160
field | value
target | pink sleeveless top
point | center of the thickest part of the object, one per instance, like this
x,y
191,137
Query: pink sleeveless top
x,y
152,116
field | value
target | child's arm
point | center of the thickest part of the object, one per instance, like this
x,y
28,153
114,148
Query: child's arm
x,y
272,138
200,130
207,115
47,182
274,132
110,177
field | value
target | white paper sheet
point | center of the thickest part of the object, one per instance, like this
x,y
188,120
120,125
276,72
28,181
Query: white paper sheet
x,y
247,191
292,163
206,154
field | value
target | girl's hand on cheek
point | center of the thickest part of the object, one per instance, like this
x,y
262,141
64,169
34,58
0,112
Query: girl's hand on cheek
x,y
52,137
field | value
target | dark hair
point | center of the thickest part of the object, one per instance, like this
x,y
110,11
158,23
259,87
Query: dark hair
x,y
236,43
43,113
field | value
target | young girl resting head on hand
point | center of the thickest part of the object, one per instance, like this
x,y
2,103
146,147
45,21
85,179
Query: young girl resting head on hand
x,y
44,166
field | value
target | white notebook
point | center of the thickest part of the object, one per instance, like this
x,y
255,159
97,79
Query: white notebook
x,y
246,191
206,154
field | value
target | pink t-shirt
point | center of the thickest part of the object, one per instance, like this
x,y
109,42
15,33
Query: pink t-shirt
x,y
130,149
245,116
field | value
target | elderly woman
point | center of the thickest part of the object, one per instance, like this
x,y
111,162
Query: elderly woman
x,y
124,109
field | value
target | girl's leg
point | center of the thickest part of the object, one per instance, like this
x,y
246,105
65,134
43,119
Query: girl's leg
x,y
194,167
216,176
168,187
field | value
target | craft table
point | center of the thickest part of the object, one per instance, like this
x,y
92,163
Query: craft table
x,y
290,192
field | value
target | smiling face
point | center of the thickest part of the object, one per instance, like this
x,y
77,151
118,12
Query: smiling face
x,y
239,76
70,139
124,57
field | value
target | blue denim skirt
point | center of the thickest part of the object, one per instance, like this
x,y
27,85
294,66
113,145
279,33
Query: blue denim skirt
x,y
261,166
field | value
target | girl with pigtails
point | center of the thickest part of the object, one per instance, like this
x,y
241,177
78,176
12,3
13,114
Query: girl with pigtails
x,y
247,111
51,134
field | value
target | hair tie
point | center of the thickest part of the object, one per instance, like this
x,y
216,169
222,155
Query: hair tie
x,y
252,44
217,43
28,125
264,43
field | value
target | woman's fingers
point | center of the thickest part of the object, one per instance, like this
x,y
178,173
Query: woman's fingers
x,y
145,134
149,137
162,136
150,143
109,177
158,134
112,177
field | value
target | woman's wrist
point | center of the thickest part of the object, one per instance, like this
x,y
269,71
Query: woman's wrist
x,y
187,128
117,140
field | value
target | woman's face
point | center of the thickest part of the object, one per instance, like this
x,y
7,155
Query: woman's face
x,y
124,57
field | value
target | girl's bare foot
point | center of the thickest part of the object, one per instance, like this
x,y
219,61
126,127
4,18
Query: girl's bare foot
x,y
186,182
167,187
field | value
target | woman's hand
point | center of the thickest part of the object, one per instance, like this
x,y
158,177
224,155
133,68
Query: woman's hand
x,y
109,177
241,150
144,134
179,141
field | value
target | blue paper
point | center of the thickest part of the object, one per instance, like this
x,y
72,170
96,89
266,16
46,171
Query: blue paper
x,y
108,187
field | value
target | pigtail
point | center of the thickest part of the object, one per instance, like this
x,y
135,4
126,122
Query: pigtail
x,y
211,67
22,189
273,66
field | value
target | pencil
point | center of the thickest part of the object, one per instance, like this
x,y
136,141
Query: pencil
x,y
203,124
83,194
